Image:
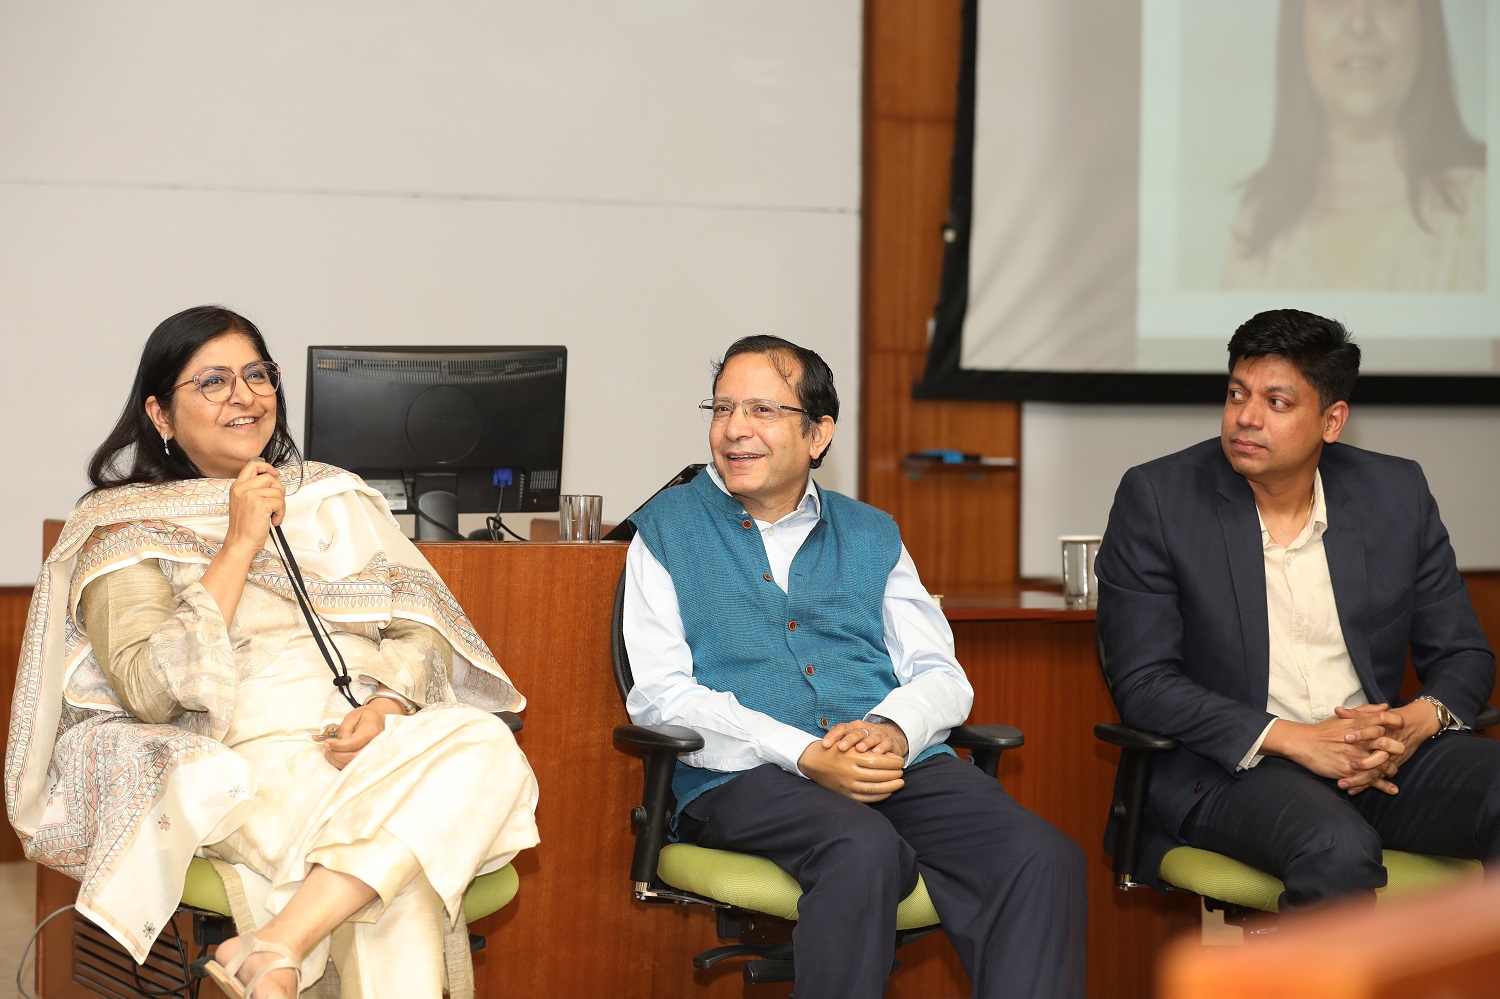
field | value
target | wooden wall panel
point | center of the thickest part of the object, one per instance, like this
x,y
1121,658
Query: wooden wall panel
x,y
14,601
962,529
911,67
963,533
906,199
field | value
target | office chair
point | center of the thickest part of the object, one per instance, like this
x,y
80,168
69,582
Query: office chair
x,y
103,967
755,901
1242,892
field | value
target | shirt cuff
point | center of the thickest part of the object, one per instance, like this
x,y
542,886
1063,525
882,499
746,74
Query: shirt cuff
x,y
1253,757
785,749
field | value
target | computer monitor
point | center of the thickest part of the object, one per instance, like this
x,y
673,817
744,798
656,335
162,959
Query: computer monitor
x,y
442,430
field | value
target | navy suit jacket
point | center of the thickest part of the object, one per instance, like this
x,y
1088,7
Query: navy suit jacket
x,y
1182,609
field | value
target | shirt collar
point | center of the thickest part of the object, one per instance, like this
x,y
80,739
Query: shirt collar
x,y
1320,506
811,504
1317,522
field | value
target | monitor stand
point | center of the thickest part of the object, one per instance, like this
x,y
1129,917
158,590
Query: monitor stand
x,y
437,497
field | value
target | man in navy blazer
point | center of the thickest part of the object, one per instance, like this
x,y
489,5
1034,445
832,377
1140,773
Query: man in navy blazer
x,y
1258,597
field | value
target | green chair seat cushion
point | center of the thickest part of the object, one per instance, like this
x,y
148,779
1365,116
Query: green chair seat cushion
x,y
490,893
749,882
1216,876
204,889
487,893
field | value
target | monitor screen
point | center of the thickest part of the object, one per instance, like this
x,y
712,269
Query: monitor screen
x,y
442,430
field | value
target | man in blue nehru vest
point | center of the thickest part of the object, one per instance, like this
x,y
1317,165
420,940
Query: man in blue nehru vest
x,y
786,623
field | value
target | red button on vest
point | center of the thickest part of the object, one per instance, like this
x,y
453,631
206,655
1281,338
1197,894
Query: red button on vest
x,y
767,577
809,671
823,722
747,524
791,626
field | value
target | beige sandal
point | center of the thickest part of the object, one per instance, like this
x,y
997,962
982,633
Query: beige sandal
x,y
224,974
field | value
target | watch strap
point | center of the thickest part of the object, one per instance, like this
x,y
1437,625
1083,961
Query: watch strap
x,y
1447,720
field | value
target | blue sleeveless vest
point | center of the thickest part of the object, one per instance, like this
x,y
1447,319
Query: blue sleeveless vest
x,y
810,657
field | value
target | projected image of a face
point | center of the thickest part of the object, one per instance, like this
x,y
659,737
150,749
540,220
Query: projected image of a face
x,y
1362,60
1372,181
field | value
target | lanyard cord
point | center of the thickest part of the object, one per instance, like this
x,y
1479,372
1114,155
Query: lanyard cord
x,y
341,678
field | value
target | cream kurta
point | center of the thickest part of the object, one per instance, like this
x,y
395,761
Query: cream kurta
x,y
389,815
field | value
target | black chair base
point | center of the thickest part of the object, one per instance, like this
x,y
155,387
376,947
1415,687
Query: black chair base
x,y
765,940
211,929
1253,922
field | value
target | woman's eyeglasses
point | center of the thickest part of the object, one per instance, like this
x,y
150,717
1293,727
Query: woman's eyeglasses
x,y
217,384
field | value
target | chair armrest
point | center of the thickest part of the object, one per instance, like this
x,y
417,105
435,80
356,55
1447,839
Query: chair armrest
x,y
1488,717
1133,738
659,746
1131,782
677,738
512,721
986,742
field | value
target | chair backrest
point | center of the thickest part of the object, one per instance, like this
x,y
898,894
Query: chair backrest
x,y
624,680
1099,652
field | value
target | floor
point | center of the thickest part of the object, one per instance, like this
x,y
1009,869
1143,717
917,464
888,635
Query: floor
x,y
17,920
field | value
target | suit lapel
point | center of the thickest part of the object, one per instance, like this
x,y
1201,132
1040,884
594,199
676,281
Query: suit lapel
x,y
1247,570
1343,543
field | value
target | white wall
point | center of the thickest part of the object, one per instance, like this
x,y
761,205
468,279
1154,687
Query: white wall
x,y
640,181
1073,457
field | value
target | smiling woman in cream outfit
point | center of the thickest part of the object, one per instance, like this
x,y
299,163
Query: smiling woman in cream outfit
x,y
1373,183
193,708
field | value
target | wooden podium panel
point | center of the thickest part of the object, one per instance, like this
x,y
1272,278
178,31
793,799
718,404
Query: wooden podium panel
x,y
574,928
1041,675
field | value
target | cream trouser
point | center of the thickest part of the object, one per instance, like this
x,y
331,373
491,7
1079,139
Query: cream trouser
x,y
393,947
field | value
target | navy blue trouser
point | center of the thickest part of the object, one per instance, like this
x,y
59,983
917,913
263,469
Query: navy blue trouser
x,y
1325,844
1008,887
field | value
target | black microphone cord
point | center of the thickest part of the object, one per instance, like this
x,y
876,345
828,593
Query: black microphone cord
x,y
341,678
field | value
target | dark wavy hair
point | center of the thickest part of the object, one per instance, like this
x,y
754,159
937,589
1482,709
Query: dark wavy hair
x,y
1320,349
132,453
814,385
1434,139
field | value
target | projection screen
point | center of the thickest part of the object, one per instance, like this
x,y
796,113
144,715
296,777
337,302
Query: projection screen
x,y
1132,180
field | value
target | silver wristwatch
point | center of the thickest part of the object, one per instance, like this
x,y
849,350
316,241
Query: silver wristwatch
x,y
1446,719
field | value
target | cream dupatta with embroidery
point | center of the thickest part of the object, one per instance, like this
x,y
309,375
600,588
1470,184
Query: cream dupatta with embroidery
x,y
122,805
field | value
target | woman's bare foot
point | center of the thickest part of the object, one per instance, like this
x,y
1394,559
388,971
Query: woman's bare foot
x,y
265,953
324,900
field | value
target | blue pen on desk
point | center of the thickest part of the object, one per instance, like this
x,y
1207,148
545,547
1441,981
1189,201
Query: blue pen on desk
x,y
946,455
